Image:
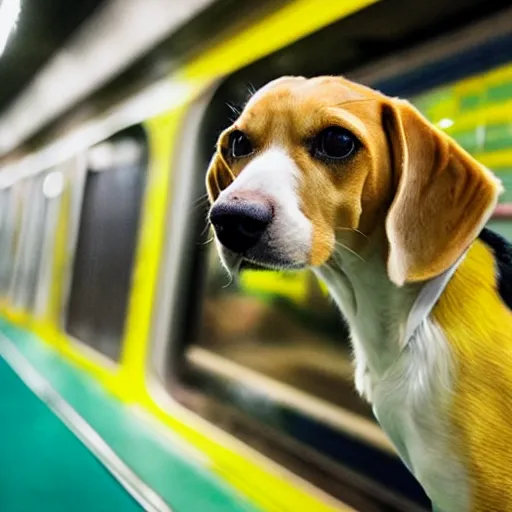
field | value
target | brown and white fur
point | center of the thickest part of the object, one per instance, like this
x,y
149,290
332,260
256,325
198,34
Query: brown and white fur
x,y
400,209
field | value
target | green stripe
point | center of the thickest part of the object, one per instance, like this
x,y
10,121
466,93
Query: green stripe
x,y
183,481
498,136
43,465
500,92
431,100
505,175
467,139
471,102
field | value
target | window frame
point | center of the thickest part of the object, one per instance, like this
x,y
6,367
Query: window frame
x,y
18,295
77,192
167,334
32,196
8,256
75,184
45,277
176,293
167,311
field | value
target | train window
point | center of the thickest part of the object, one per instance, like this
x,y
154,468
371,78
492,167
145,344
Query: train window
x,y
106,242
267,357
7,238
476,113
18,208
28,260
52,186
19,274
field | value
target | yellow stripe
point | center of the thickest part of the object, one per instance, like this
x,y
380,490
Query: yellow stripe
x,y
292,285
267,489
492,77
280,28
54,307
59,341
494,113
496,160
488,113
163,134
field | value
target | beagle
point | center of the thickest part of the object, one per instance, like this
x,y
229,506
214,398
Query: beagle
x,y
389,212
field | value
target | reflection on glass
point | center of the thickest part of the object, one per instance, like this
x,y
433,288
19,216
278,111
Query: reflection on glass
x,y
281,325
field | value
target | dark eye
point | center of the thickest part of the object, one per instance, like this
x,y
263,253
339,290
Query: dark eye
x,y
239,144
335,143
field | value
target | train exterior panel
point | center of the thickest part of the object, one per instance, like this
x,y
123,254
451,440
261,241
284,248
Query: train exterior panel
x,y
213,395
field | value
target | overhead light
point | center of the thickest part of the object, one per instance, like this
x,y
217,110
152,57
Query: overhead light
x,y
127,152
9,12
101,157
53,184
105,45
445,123
108,155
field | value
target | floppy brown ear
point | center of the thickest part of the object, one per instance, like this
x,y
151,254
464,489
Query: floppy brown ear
x,y
218,176
443,196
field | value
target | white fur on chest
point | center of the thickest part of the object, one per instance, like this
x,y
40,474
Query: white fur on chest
x,y
410,402
409,387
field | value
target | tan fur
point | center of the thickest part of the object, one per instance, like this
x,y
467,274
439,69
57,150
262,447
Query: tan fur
x,y
376,226
409,183
442,196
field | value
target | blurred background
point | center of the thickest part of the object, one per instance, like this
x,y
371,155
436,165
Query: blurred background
x,y
109,112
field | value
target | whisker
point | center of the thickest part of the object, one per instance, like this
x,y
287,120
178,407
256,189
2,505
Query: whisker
x,y
234,108
332,265
230,282
352,229
350,250
205,229
200,199
251,89
209,241
198,206
234,274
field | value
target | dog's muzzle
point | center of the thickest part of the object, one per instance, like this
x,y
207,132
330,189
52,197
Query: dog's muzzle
x,y
240,223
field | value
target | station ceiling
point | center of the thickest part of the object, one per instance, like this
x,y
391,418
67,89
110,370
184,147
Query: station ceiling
x,y
43,27
51,77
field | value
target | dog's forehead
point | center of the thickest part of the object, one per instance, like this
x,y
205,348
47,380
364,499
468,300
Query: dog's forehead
x,y
298,92
299,100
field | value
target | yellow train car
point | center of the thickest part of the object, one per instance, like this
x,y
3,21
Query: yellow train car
x,y
198,394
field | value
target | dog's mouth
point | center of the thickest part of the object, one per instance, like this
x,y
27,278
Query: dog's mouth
x,y
269,265
236,264
249,265
263,257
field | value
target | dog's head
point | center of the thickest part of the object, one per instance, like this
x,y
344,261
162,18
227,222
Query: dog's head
x,y
311,162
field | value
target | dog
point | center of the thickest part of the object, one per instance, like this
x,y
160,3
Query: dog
x,y
390,214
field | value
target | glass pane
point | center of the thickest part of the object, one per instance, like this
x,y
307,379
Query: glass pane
x,y
267,358
282,326
31,244
107,239
6,240
53,185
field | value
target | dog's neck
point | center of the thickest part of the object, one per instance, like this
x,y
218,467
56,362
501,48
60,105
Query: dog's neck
x,y
375,308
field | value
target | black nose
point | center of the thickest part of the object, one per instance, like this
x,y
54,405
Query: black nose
x,y
239,224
